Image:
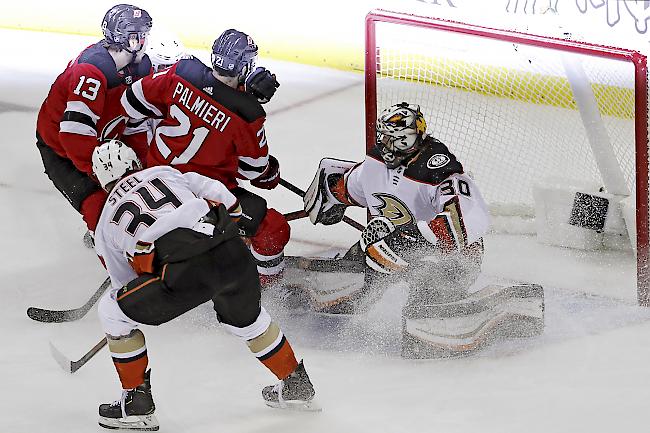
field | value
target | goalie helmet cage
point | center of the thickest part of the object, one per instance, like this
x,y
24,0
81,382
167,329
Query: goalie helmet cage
x,y
514,105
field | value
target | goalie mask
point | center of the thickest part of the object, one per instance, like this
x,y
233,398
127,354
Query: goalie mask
x,y
112,160
400,133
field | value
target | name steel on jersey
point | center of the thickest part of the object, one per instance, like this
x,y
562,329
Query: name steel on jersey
x,y
201,107
125,185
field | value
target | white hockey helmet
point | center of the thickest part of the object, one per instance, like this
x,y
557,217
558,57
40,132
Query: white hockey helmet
x,y
112,160
164,49
400,132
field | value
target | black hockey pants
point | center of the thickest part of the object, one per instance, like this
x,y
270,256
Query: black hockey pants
x,y
75,185
225,274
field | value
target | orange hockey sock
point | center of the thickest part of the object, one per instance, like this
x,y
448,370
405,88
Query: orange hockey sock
x,y
129,357
274,351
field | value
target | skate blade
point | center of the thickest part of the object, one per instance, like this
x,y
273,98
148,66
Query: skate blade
x,y
296,405
133,422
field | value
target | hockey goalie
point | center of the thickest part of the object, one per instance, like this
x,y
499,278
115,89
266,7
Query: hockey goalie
x,y
427,224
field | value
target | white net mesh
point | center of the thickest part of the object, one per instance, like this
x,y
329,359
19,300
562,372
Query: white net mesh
x,y
508,111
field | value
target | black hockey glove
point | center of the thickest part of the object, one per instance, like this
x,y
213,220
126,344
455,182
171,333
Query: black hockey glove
x,y
262,84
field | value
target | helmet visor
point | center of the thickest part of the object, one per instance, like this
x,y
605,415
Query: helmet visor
x,y
137,41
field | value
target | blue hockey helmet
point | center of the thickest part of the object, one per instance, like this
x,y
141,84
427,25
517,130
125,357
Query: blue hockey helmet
x,y
234,54
124,23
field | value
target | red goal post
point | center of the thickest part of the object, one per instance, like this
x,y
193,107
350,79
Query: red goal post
x,y
514,100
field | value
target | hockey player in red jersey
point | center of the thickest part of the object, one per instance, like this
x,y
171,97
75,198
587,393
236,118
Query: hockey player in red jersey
x,y
428,220
169,243
83,108
213,124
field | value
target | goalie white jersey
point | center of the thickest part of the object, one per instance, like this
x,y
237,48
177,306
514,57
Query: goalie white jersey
x,y
432,191
147,204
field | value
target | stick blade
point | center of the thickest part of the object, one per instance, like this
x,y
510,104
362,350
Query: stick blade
x,y
52,316
61,359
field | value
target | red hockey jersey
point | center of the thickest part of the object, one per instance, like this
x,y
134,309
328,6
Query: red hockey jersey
x,y
207,127
83,108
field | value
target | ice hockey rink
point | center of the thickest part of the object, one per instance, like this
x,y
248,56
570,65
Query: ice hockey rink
x,y
588,372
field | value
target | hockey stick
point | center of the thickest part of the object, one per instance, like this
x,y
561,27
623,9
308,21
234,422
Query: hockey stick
x,y
324,265
59,316
291,187
295,215
72,366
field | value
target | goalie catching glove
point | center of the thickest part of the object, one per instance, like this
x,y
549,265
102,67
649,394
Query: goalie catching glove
x,y
319,202
378,243
385,245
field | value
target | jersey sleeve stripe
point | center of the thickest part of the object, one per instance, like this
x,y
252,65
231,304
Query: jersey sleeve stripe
x,y
136,127
76,117
77,128
254,163
252,171
134,107
249,174
83,108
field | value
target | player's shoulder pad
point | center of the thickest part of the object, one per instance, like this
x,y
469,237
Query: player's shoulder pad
x,y
239,102
433,164
98,56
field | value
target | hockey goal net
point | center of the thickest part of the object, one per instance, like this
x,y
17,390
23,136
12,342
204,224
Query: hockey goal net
x,y
520,110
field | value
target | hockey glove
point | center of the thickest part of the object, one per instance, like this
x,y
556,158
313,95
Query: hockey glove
x,y
143,257
271,176
319,202
262,84
383,245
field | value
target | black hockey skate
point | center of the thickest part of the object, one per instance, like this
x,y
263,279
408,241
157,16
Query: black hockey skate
x,y
134,411
295,392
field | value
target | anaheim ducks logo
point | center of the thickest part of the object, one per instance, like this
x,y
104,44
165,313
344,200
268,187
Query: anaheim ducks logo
x,y
393,208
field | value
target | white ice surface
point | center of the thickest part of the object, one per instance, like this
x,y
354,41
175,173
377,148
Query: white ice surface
x,y
589,372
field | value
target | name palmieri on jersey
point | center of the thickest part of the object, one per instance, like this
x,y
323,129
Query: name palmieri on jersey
x,y
207,112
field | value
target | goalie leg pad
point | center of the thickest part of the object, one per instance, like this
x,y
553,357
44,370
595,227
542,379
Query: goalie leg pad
x,y
334,291
461,328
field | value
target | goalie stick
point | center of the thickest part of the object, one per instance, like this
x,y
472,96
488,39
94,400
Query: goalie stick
x,y
291,187
324,265
72,366
59,316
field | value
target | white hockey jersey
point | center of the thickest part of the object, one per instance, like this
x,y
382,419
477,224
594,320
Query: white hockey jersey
x,y
432,191
148,204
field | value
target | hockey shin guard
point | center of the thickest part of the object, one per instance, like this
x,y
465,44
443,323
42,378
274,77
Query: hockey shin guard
x,y
267,342
129,354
